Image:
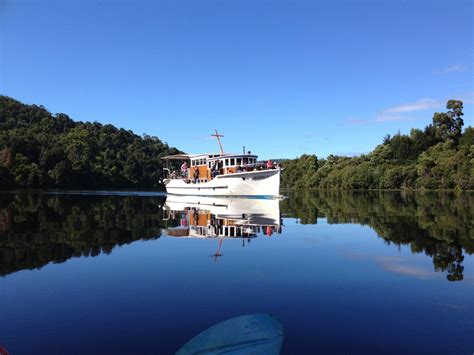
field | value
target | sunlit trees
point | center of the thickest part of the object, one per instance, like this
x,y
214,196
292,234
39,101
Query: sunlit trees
x,y
439,157
38,149
448,125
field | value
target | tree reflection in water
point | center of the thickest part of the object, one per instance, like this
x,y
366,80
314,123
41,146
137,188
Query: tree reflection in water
x,y
36,229
440,224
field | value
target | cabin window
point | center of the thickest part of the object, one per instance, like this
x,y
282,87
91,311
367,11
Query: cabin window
x,y
245,160
227,162
192,162
232,162
239,161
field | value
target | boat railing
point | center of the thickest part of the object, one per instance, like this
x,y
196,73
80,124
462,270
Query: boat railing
x,y
173,174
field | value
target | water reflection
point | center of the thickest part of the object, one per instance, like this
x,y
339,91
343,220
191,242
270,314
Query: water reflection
x,y
439,224
36,229
207,217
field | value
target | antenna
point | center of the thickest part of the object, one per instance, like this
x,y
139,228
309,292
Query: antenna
x,y
218,136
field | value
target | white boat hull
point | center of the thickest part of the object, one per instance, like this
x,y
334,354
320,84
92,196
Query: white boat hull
x,y
252,183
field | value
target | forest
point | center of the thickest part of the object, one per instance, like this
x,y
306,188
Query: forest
x,y
439,157
42,150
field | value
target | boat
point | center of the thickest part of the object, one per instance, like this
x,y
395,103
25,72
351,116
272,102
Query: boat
x,y
221,174
220,217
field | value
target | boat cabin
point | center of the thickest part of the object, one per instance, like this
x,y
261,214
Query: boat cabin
x,y
194,222
210,165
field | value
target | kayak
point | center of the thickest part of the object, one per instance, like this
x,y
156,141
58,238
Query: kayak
x,y
249,334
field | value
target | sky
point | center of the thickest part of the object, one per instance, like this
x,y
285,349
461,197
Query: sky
x,y
281,78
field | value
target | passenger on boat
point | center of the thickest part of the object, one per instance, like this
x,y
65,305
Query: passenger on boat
x,y
184,169
269,164
196,174
239,168
268,231
214,169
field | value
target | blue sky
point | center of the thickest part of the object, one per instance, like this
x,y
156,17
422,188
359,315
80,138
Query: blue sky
x,y
282,78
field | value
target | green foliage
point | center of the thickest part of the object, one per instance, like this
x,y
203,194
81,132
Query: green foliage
x,y
38,149
439,157
301,171
448,125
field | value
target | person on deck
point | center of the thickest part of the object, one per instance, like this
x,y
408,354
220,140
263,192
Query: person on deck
x,y
269,164
184,169
196,174
215,169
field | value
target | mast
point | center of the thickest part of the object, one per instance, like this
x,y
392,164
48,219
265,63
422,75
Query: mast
x,y
218,136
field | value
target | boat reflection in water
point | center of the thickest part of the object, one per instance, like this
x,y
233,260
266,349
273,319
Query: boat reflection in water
x,y
221,218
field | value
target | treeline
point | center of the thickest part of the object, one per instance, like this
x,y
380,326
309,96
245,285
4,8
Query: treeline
x,y
39,149
439,157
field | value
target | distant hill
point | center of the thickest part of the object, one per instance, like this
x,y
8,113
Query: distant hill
x,y
439,157
42,150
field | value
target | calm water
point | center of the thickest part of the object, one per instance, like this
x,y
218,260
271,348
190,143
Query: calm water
x,y
133,273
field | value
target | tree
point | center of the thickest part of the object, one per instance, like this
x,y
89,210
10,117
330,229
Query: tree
x,y
438,157
448,125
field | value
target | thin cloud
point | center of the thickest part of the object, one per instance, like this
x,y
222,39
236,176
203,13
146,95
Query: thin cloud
x,y
399,265
420,105
455,68
403,112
